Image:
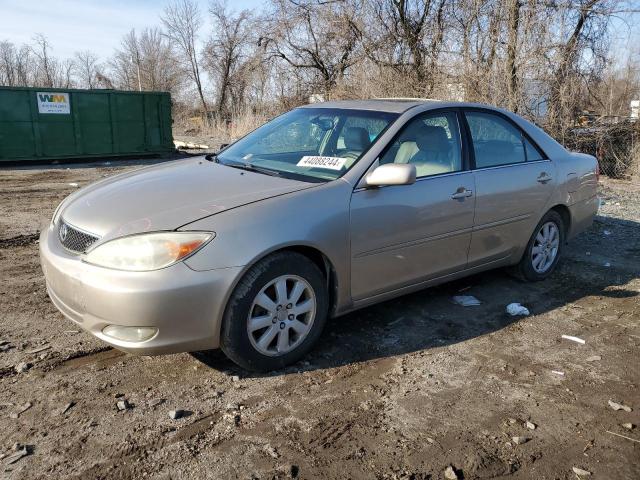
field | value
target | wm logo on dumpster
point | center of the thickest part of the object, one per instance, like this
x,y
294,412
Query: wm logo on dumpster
x,y
46,97
53,102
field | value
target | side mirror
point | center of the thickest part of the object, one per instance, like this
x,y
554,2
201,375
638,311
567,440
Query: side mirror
x,y
392,174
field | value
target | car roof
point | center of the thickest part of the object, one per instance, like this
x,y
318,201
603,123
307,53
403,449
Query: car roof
x,y
394,105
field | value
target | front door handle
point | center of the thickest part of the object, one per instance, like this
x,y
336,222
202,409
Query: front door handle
x,y
544,177
461,193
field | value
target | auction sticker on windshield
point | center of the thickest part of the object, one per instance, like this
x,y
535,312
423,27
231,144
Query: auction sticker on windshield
x,y
331,163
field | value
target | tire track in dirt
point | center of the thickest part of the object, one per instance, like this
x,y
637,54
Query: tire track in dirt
x,y
125,458
19,241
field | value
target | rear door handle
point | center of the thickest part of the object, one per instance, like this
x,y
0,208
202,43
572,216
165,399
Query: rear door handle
x,y
461,193
544,177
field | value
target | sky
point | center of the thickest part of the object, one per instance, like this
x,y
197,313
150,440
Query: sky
x,y
98,25
74,25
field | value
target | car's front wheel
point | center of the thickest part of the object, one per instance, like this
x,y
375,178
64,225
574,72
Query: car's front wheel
x,y
543,250
276,313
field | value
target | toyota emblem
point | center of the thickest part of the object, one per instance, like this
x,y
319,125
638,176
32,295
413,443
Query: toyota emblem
x,y
63,232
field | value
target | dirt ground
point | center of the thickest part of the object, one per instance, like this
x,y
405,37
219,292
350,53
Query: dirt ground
x,y
401,390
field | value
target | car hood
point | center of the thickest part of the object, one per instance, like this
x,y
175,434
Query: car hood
x,y
167,196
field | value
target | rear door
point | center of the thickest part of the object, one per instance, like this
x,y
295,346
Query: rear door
x,y
514,180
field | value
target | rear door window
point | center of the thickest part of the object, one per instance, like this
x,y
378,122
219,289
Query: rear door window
x,y
495,140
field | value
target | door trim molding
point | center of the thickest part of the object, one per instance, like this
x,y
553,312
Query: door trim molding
x,y
477,228
413,243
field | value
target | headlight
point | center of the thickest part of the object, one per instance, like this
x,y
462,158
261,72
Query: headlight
x,y
149,251
56,213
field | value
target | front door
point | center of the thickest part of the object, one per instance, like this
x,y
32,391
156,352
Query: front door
x,y
402,235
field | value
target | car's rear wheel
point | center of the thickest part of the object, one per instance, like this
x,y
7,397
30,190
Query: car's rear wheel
x,y
543,250
276,313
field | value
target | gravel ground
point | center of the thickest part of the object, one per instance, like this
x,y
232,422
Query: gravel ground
x,y
404,389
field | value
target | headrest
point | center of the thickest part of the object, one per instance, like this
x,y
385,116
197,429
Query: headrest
x,y
433,138
356,138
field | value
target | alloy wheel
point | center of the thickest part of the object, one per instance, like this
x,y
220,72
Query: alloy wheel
x,y
545,247
281,315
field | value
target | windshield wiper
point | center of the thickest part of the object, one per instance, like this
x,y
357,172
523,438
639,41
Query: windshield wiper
x,y
252,168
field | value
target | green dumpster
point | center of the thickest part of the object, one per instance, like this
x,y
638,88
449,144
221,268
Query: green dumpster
x,y
50,123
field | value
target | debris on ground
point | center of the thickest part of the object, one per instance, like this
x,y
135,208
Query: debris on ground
x,y
450,473
21,410
606,264
67,407
594,358
516,309
73,184
530,425
520,440
629,426
619,406
5,345
623,436
22,367
39,349
123,405
155,402
581,472
176,414
180,145
272,452
558,372
574,339
20,451
466,300
235,378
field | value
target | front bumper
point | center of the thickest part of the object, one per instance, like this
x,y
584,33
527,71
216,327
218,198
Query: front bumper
x,y
184,305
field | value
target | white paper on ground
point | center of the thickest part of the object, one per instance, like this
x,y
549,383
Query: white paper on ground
x,y
573,339
515,309
466,300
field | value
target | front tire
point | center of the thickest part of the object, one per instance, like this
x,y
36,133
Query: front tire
x,y
276,313
543,250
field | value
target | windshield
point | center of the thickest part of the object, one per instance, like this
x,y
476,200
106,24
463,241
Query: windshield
x,y
314,144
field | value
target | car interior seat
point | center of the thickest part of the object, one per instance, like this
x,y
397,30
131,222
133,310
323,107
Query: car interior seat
x,y
356,141
428,148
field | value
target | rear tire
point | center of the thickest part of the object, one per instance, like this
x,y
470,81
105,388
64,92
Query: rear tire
x,y
543,250
276,313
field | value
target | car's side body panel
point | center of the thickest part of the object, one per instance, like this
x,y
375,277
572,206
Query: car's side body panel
x,y
509,203
318,219
406,234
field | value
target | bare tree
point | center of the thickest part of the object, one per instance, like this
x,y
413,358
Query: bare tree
x,y
512,47
407,36
315,35
66,74
227,50
587,21
47,67
87,68
16,65
146,61
182,22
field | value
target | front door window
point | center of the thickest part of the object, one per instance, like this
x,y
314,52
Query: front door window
x,y
430,142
